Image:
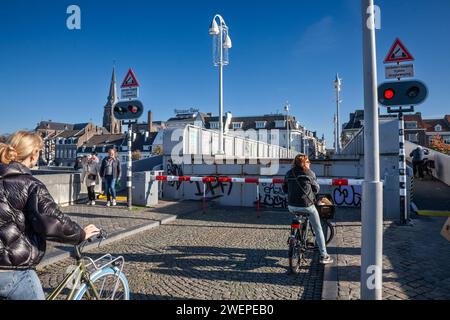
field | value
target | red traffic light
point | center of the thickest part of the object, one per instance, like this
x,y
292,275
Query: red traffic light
x,y
389,94
133,109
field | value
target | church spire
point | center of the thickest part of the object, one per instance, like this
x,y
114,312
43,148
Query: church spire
x,y
109,122
112,97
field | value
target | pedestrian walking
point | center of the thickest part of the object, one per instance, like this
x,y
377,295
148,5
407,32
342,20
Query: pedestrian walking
x,y
418,156
28,217
91,176
110,173
302,187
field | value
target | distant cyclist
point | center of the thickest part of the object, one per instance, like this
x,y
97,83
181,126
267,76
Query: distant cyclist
x,y
301,186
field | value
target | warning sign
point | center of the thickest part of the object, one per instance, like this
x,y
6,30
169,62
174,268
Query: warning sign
x,y
398,53
130,80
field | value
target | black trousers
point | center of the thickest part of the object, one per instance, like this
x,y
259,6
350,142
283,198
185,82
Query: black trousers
x,y
91,193
418,166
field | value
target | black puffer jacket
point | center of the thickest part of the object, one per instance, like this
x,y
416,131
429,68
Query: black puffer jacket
x,y
29,216
301,187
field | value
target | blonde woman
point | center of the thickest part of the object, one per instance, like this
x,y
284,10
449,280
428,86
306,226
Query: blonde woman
x,y
90,176
28,217
302,187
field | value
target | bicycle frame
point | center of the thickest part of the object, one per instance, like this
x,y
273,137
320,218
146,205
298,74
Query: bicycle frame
x,y
81,267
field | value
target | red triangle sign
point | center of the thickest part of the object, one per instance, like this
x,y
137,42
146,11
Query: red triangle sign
x,y
398,53
130,80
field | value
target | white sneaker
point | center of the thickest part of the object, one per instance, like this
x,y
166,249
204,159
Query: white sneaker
x,y
108,204
92,203
326,260
114,203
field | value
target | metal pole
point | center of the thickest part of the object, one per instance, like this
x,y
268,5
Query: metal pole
x,y
221,147
338,142
129,165
372,190
402,171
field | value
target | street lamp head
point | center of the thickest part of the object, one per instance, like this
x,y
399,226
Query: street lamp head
x,y
214,28
227,44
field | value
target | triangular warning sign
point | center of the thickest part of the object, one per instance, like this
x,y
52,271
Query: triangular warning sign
x,y
398,53
130,80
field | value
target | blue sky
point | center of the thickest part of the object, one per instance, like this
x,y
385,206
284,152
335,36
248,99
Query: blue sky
x,y
282,50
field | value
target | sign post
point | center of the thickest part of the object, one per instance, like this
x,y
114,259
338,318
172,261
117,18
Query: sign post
x,y
401,94
129,110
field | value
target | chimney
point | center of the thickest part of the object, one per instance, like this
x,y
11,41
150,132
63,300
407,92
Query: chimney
x,y
150,121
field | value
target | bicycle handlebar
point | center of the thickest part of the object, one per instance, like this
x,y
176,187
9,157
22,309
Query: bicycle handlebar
x,y
79,248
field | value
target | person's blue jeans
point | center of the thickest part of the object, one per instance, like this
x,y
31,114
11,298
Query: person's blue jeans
x,y
110,187
314,219
20,285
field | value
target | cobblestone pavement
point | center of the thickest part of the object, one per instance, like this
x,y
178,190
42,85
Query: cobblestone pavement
x,y
416,259
227,253
117,219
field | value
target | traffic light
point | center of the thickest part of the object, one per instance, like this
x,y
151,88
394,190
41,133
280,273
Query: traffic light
x,y
128,110
402,93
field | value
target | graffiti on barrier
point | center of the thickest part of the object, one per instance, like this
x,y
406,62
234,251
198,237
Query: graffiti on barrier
x,y
347,196
214,189
272,195
174,170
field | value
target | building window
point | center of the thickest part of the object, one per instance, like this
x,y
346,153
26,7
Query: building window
x,y
438,128
411,124
413,137
280,123
260,124
214,125
446,139
237,125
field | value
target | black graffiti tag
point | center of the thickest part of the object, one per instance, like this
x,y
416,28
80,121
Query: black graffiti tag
x,y
174,170
272,196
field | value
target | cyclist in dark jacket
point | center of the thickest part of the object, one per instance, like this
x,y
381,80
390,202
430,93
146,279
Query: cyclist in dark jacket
x,y
28,217
302,187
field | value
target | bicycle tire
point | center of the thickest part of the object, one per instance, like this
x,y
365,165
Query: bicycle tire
x,y
103,273
295,258
328,231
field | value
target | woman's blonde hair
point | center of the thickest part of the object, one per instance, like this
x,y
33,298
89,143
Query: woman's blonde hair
x,y
20,146
300,161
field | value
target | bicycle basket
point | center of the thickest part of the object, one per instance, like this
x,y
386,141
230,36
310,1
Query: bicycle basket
x,y
326,212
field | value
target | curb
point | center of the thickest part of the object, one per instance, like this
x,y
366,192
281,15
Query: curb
x,y
330,273
60,254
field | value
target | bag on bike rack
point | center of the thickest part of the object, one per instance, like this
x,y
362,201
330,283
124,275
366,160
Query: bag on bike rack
x,y
326,211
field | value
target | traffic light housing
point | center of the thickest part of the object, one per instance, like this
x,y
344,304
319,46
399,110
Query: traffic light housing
x,y
128,110
402,93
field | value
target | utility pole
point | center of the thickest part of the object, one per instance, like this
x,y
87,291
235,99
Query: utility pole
x,y
372,189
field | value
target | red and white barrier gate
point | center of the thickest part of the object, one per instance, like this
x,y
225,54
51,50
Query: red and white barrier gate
x,y
257,181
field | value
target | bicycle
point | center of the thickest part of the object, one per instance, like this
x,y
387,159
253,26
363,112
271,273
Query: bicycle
x,y
100,279
302,237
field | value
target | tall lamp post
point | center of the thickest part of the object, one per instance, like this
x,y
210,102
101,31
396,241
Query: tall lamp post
x,y
286,108
337,86
221,44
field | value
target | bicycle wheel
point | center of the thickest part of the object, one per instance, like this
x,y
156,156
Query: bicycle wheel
x,y
108,282
328,231
295,257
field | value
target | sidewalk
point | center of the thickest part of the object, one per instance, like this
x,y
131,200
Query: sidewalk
x,y
118,223
416,260
431,195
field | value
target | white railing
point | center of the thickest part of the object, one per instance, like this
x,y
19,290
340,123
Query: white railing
x,y
201,141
